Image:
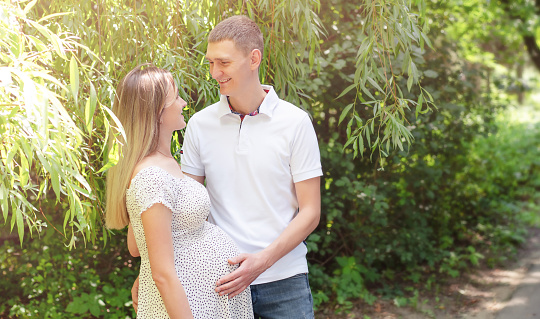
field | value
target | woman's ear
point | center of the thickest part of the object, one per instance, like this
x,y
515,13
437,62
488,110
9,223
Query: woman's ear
x,y
256,58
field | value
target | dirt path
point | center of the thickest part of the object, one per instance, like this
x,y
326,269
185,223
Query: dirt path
x,y
511,292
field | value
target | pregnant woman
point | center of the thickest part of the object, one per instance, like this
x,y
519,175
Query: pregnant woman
x,y
182,255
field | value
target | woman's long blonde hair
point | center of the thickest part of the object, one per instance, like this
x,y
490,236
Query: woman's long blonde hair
x,y
139,101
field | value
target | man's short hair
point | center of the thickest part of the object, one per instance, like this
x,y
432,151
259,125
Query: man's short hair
x,y
244,33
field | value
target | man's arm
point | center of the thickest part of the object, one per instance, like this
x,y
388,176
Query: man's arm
x,y
308,193
135,294
199,179
132,244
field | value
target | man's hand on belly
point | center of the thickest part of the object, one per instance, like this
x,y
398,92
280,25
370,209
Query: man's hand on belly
x,y
251,266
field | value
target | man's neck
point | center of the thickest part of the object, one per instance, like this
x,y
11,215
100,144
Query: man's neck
x,y
249,101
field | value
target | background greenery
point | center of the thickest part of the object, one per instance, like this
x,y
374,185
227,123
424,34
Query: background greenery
x,y
400,219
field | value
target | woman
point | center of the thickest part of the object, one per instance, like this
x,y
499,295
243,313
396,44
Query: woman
x,y
182,255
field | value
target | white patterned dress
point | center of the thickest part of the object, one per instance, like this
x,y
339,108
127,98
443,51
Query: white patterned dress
x,y
201,249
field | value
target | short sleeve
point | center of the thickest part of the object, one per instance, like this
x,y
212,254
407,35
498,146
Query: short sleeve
x,y
151,187
190,158
305,156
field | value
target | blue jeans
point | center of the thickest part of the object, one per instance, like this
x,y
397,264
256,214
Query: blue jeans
x,y
289,298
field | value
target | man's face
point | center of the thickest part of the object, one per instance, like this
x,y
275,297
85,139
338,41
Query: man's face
x,y
229,66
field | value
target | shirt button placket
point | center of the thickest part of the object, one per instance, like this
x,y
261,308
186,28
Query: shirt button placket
x,y
243,136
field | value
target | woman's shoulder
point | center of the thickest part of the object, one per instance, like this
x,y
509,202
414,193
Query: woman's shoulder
x,y
156,166
167,164
146,162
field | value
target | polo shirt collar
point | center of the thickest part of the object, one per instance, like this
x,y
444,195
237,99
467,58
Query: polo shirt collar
x,y
267,106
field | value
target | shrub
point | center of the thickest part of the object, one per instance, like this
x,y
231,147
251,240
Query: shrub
x,y
46,280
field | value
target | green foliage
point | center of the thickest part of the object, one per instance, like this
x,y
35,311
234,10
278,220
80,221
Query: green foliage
x,y
58,86
461,195
389,34
492,31
436,218
47,125
448,204
47,281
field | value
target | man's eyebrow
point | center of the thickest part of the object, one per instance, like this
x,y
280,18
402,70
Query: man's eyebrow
x,y
217,59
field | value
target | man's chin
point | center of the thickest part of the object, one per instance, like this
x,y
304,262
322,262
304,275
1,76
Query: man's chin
x,y
222,91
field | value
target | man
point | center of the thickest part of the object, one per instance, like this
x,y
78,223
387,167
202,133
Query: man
x,y
260,158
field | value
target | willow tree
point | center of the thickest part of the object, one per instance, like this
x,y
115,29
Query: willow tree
x,y
60,62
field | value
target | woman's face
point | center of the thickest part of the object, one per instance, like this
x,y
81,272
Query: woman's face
x,y
171,116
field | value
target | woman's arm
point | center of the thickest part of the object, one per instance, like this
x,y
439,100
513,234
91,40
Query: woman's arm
x,y
157,222
132,244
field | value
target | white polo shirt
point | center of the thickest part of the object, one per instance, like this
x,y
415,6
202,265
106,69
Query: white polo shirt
x,y
250,168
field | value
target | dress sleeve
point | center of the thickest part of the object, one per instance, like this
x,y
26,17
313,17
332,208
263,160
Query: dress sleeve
x,y
305,157
152,188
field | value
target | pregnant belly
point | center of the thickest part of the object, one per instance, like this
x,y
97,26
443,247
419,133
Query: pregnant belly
x,y
206,257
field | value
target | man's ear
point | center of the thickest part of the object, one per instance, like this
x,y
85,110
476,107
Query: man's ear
x,y
256,58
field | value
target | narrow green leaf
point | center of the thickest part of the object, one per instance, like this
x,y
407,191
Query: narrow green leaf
x,y
349,88
50,78
42,186
361,145
74,77
66,117
45,121
47,17
4,201
106,138
88,117
20,225
14,207
355,149
366,91
419,105
53,38
105,233
358,120
414,71
350,141
29,7
83,181
55,182
116,121
368,135
357,75
44,31
12,152
29,224
375,144
429,95
364,47
312,56
24,170
400,145
372,82
345,112
424,36
67,216
43,161
349,128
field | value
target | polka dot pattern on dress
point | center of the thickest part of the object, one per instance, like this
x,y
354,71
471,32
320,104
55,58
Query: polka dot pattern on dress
x,y
201,249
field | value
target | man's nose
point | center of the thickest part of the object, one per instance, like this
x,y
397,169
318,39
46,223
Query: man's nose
x,y
215,71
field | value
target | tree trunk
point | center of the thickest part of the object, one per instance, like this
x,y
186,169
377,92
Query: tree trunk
x,y
533,49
